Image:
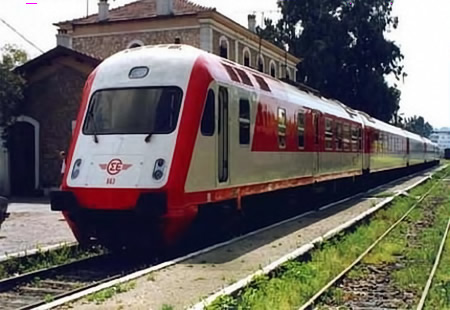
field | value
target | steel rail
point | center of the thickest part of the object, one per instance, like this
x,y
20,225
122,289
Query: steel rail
x,y
310,303
433,271
62,275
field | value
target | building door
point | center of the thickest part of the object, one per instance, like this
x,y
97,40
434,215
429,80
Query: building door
x,y
22,159
223,145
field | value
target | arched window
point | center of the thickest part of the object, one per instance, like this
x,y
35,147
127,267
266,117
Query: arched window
x,y
224,47
288,73
135,43
247,57
273,69
261,63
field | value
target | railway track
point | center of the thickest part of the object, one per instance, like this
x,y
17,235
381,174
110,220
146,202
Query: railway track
x,y
374,290
36,288
55,286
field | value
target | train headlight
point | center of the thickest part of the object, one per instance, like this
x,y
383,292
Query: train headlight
x,y
158,170
76,169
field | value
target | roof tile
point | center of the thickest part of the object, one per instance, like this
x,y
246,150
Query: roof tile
x,y
141,9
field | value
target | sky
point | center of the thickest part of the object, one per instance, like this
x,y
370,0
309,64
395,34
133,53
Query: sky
x,y
423,36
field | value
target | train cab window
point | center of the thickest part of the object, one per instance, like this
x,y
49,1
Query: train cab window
x,y
347,137
152,110
244,122
282,128
328,134
301,129
339,136
208,119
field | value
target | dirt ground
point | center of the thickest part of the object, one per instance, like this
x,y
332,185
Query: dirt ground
x,y
31,225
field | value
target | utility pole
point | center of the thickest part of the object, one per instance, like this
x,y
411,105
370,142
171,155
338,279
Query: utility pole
x,y
87,8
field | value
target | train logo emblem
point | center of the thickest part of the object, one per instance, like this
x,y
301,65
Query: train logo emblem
x,y
115,166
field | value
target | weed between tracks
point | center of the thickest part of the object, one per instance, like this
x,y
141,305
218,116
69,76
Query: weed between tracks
x,y
296,281
41,260
108,293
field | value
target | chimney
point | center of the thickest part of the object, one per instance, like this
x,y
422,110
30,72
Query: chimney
x,y
252,22
164,7
103,10
63,38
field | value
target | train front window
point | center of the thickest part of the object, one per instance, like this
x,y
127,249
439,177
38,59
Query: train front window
x,y
134,111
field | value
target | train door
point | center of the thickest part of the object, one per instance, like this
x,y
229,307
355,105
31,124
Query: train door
x,y
223,137
316,142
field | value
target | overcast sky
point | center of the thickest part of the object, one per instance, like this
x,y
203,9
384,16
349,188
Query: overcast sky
x,y
423,35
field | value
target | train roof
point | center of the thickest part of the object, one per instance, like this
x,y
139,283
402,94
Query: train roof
x,y
220,69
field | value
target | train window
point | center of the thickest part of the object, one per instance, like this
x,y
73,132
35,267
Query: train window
x,y
347,137
354,138
152,110
339,136
244,77
262,83
208,119
328,134
244,122
360,139
301,129
282,128
231,72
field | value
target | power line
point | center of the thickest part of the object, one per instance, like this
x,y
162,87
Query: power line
x,y
21,35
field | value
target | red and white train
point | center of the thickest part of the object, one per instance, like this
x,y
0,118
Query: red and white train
x,y
165,130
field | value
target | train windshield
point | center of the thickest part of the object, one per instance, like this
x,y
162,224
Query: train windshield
x,y
134,111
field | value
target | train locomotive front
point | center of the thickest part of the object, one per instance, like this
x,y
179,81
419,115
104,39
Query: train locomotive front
x,y
131,148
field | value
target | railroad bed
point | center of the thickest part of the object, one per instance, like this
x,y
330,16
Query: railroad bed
x,y
186,281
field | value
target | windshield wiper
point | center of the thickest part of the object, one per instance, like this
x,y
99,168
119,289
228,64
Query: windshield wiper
x,y
148,138
94,124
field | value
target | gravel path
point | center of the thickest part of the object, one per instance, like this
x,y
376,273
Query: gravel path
x,y
31,225
186,283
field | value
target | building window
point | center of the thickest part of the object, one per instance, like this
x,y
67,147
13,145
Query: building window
x,y
247,57
282,128
244,122
328,134
288,73
301,129
273,69
208,119
135,44
261,63
224,47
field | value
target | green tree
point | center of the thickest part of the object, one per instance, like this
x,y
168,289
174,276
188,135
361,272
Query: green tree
x,y
418,125
344,50
11,86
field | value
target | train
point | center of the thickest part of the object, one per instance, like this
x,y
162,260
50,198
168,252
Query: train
x,y
165,131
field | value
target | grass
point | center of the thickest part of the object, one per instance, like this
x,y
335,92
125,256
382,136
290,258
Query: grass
x,y
41,260
110,292
439,294
296,281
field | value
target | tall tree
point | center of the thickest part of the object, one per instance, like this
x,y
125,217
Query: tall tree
x,y
11,86
418,125
344,50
